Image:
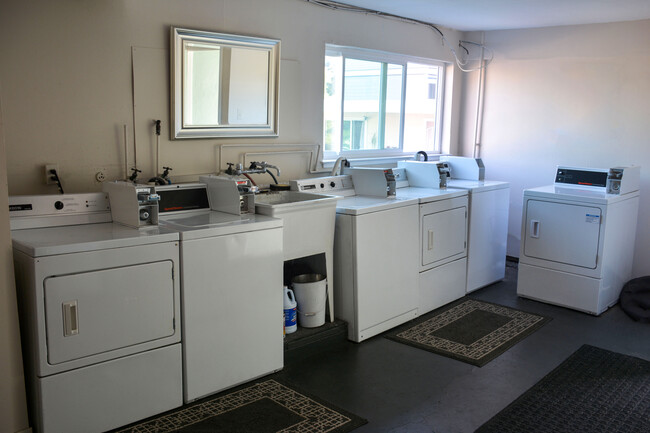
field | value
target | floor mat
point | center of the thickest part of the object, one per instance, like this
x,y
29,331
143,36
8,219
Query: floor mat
x,y
594,390
263,407
469,330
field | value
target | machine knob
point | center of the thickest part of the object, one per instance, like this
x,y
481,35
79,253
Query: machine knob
x,y
144,214
322,185
58,205
332,184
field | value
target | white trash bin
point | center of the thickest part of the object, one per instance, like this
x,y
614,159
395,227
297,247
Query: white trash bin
x,y
311,295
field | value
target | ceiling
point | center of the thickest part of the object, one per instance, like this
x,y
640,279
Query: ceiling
x,y
471,15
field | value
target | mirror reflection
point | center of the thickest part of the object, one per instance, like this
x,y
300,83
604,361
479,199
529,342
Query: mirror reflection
x,y
224,85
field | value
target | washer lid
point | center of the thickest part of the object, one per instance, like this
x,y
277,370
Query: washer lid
x,y
87,237
477,185
428,195
577,194
213,223
360,204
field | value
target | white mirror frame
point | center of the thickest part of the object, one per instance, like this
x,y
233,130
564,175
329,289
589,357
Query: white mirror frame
x,y
179,131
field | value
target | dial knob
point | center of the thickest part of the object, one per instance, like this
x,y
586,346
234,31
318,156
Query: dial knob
x,y
332,184
58,205
144,214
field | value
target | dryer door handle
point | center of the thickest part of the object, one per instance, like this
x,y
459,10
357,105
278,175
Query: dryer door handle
x,y
70,319
534,228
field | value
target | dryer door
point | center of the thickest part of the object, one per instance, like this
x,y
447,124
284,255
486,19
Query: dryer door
x,y
563,233
95,312
444,236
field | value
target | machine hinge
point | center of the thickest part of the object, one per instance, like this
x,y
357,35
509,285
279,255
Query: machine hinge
x,y
465,244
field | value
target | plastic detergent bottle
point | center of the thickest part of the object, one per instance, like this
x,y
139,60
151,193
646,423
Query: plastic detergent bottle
x,y
290,315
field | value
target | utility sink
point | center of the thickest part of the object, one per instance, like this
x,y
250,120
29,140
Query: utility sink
x,y
308,220
296,198
308,227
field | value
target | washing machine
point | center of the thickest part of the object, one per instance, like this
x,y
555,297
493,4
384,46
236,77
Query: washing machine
x,y
376,242
577,237
99,307
488,215
443,243
231,285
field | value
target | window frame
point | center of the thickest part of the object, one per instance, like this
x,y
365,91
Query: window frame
x,y
386,57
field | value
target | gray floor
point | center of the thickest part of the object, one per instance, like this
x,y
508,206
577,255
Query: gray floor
x,y
399,388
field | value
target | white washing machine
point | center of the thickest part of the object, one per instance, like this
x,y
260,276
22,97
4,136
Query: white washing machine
x,y
375,252
577,238
100,314
443,215
488,219
231,281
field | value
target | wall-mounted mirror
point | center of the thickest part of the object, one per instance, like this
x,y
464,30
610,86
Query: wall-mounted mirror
x,y
223,85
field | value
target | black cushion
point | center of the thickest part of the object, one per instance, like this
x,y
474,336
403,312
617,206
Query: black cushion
x,y
635,299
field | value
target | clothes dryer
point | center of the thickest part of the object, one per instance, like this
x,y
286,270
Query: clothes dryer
x,y
577,238
443,217
100,315
489,202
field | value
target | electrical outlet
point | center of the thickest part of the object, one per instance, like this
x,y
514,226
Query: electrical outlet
x,y
100,176
48,174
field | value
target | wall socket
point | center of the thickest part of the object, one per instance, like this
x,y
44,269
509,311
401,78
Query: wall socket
x,y
48,175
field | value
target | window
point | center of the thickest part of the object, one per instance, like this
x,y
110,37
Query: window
x,y
380,104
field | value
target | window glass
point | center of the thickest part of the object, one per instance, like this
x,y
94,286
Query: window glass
x,y
378,104
420,121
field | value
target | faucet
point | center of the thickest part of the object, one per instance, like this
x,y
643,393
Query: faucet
x,y
341,161
266,166
255,167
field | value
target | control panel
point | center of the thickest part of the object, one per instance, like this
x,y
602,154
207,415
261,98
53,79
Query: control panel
x,y
32,211
336,185
132,204
230,194
616,180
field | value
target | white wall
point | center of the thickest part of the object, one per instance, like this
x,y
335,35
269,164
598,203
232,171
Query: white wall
x,y
67,69
13,405
576,95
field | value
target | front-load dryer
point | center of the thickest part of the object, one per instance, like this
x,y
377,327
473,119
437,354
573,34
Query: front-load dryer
x,y
99,309
443,246
577,240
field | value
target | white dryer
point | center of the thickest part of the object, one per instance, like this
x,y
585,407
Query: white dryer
x,y
577,238
375,251
488,219
100,314
231,285
443,215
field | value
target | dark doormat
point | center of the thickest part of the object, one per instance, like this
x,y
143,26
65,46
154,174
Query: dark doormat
x,y
262,407
472,331
594,390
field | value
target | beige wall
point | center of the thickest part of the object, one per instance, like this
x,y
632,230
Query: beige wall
x,y
576,95
69,82
13,407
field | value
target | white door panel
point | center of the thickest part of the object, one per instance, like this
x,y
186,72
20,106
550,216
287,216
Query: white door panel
x,y
386,269
95,312
444,235
232,306
563,233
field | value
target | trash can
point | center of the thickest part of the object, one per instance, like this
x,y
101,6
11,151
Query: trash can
x,y
311,295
